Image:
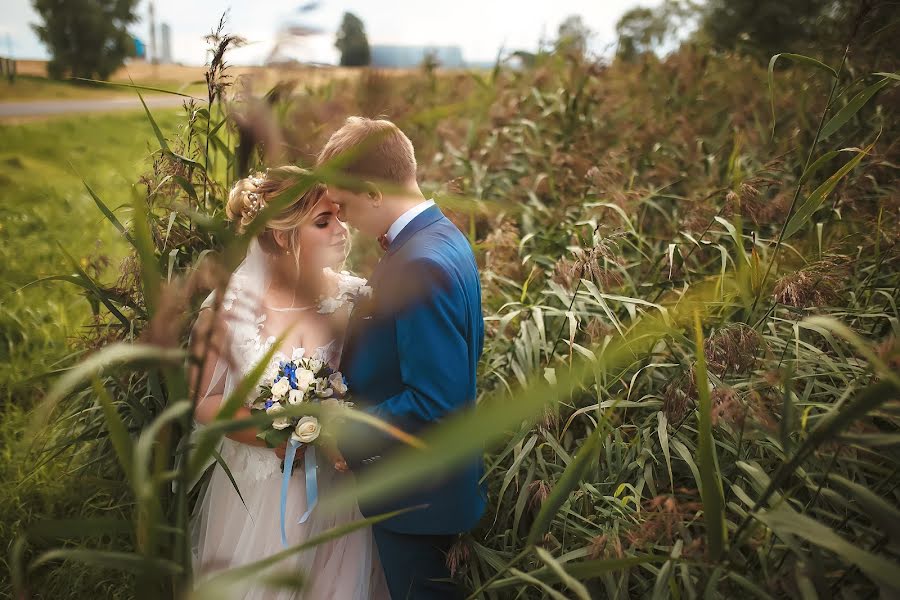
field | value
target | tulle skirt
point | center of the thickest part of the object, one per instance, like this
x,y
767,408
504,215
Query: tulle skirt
x,y
228,534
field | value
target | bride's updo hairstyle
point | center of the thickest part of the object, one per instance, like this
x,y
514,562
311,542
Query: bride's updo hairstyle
x,y
250,195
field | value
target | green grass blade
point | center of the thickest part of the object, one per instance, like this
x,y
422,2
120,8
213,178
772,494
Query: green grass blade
x,y
151,275
567,482
828,429
114,354
711,489
797,58
230,405
135,86
576,587
123,561
785,521
460,437
118,433
95,289
213,588
882,513
585,570
163,144
110,216
227,470
662,431
815,200
852,107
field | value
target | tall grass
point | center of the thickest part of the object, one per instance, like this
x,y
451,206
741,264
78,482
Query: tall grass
x,y
689,384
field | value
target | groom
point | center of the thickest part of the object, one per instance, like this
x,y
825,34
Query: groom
x,y
411,349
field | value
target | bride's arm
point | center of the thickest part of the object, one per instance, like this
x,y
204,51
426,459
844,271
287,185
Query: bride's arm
x,y
208,403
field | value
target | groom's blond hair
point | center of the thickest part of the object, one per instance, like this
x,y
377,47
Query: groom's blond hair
x,y
370,150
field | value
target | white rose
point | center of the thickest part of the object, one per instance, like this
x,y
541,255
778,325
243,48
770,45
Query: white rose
x,y
295,397
281,387
315,364
297,355
305,377
322,389
281,423
274,409
271,371
337,384
307,430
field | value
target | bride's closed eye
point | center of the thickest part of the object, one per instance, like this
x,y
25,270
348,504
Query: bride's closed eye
x,y
323,219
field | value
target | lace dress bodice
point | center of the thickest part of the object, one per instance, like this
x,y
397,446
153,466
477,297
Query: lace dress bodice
x,y
252,330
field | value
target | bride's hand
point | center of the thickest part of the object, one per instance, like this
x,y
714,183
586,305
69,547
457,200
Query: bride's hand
x,y
282,449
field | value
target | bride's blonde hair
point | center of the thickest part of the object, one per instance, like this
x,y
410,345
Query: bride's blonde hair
x,y
251,194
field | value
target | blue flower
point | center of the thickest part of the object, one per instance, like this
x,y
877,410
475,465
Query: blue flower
x,y
269,404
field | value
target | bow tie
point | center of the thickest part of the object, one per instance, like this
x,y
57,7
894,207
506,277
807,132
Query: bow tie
x,y
383,242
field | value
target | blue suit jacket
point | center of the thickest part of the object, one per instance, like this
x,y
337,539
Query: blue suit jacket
x,y
410,357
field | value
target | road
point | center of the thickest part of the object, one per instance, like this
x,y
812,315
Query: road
x,y
42,108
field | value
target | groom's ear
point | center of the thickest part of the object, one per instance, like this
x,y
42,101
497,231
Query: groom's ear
x,y
373,193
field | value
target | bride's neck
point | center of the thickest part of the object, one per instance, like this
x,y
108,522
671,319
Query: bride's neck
x,y
287,293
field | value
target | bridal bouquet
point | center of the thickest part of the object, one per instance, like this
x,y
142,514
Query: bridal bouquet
x,y
296,381
293,382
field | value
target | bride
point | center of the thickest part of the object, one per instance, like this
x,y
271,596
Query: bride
x,y
277,289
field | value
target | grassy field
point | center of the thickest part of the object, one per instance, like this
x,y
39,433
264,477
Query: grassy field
x,y
32,84
46,210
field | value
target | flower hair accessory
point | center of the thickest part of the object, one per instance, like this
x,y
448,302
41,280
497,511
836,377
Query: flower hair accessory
x,y
254,201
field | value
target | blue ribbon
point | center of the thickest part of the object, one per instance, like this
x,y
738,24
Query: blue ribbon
x,y
312,487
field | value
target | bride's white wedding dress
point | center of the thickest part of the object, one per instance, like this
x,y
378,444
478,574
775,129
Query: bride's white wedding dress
x,y
228,532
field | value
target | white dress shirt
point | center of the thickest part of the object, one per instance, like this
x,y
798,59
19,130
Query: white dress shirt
x,y
404,220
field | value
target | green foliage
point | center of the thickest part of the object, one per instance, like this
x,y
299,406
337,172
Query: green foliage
x,y
769,26
764,27
86,38
573,35
633,449
640,30
352,42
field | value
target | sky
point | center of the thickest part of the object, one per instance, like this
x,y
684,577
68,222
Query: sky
x,y
480,27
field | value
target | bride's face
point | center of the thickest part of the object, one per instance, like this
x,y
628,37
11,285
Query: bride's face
x,y
323,238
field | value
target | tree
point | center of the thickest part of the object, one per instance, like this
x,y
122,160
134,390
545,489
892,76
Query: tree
x,y
352,42
573,35
640,30
643,30
86,38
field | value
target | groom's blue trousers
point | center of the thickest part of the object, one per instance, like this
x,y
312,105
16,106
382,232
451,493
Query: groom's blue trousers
x,y
416,565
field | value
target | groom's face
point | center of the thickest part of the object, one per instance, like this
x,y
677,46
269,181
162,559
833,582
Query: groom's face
x,y
354,209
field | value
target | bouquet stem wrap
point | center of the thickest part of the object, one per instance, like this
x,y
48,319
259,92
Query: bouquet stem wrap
x,y
312,485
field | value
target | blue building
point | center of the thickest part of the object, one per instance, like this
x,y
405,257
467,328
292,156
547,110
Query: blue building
x,y
140,50
404,57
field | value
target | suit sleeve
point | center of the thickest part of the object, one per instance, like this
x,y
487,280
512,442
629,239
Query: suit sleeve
x,y
430,325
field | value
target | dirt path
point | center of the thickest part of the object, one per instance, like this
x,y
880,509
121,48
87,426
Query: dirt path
x,y
46,108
